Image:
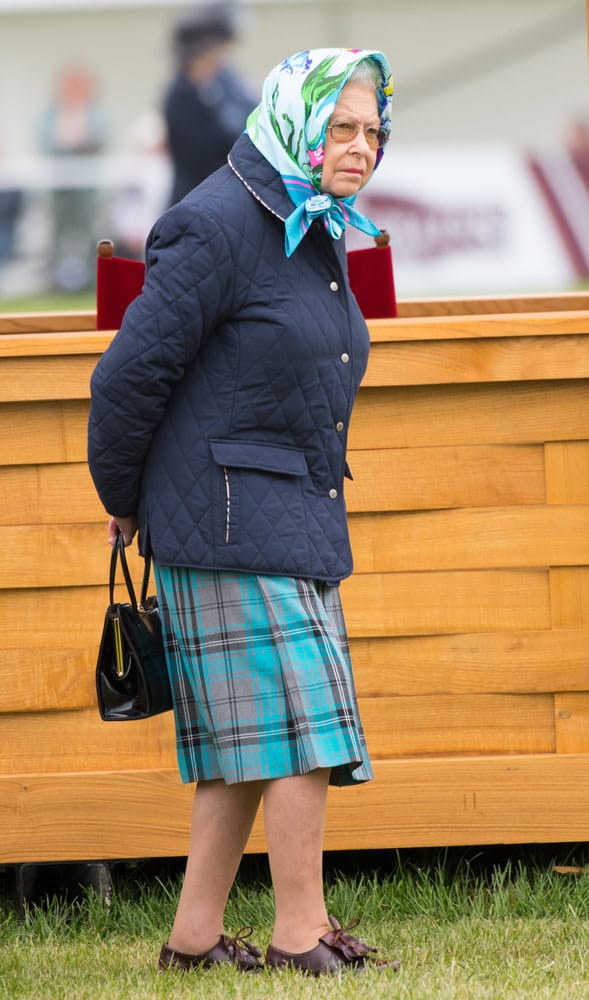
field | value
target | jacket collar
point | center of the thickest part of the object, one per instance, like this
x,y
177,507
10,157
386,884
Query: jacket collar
x,y
265,184
259,177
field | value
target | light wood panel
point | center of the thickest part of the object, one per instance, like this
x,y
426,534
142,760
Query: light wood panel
x,y
43,432
48,494
63,555
569,596
37,379
567,471
42,679
375,604
471,305
48,346
37,679
46,742
510,413
468,610
483,326
473,663
49,555
470,539
454,362
435,603
463,724
425,478
53,618
48,322
393,479
572,722
438,802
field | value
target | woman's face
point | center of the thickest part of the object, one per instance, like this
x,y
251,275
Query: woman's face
x,y
347,166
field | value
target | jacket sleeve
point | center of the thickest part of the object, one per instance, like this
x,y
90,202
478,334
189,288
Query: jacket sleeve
x,y
188,291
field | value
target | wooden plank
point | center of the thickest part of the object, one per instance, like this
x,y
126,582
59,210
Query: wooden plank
x,y
380,604
48,555
425,416
452,801
55,344
454,362
46,378
51,555
567,472
411,803
53,619
569,596
384,480
52,742
375,604
477,538
11,323
492,304
36,679
571,711
48,494
43,432
479,327
424,478
463,724
494,662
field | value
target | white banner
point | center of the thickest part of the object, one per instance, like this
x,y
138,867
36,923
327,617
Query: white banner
x,y
466,220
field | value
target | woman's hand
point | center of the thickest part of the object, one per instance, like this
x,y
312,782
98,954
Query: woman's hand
x,y
126,525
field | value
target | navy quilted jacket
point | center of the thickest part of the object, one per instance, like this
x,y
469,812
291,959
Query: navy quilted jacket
x,y
220,411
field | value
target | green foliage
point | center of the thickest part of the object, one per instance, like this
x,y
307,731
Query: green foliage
x,y
461,930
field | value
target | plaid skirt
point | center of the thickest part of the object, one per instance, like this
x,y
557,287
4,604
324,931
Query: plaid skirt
x,y
261,677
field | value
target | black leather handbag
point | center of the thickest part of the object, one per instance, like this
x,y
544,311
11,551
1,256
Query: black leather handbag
x,y
131,675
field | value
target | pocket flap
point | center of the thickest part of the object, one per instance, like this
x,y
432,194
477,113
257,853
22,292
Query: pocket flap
x,y
265,457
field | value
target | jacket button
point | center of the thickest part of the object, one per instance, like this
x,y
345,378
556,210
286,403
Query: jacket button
x,y
345,358
333,494
339,426
333,286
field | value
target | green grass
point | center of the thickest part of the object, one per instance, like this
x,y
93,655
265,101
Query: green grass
x,y
51,302
512,929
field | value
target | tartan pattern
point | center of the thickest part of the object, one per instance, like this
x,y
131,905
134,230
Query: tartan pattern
x,y
261,677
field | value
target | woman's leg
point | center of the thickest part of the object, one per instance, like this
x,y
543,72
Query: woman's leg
x,y
222,819
294,819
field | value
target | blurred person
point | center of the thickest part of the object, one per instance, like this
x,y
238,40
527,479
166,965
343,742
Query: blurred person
x,y
73,125
206,104
11,202
218,427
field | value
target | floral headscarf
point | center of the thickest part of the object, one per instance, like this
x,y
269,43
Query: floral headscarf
x,y
288,127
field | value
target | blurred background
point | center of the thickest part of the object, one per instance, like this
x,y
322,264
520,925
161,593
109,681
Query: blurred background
x,y
484,187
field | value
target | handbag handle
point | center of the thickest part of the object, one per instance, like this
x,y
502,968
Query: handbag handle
x,y
118,552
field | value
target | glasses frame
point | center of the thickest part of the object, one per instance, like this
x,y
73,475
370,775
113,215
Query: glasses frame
x,y
381,139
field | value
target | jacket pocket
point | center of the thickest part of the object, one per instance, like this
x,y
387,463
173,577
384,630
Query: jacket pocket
x,y
256,481
278,458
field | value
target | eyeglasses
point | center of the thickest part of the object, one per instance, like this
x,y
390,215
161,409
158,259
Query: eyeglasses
x,y
375,137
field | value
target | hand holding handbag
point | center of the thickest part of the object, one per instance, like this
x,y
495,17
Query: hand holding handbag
x,y
131,674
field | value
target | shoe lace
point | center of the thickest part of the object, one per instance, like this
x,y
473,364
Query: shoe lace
x,y
239,942
340,938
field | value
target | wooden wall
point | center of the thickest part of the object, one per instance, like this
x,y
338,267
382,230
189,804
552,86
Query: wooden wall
x,y
468,610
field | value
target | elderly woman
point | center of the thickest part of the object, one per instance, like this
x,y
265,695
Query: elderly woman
x,y
218,427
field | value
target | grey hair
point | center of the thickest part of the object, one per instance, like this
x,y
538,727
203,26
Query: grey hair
x,y
368,72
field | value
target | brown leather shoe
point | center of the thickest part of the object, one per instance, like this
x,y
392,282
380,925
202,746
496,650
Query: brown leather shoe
x,y
238,950
337,950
